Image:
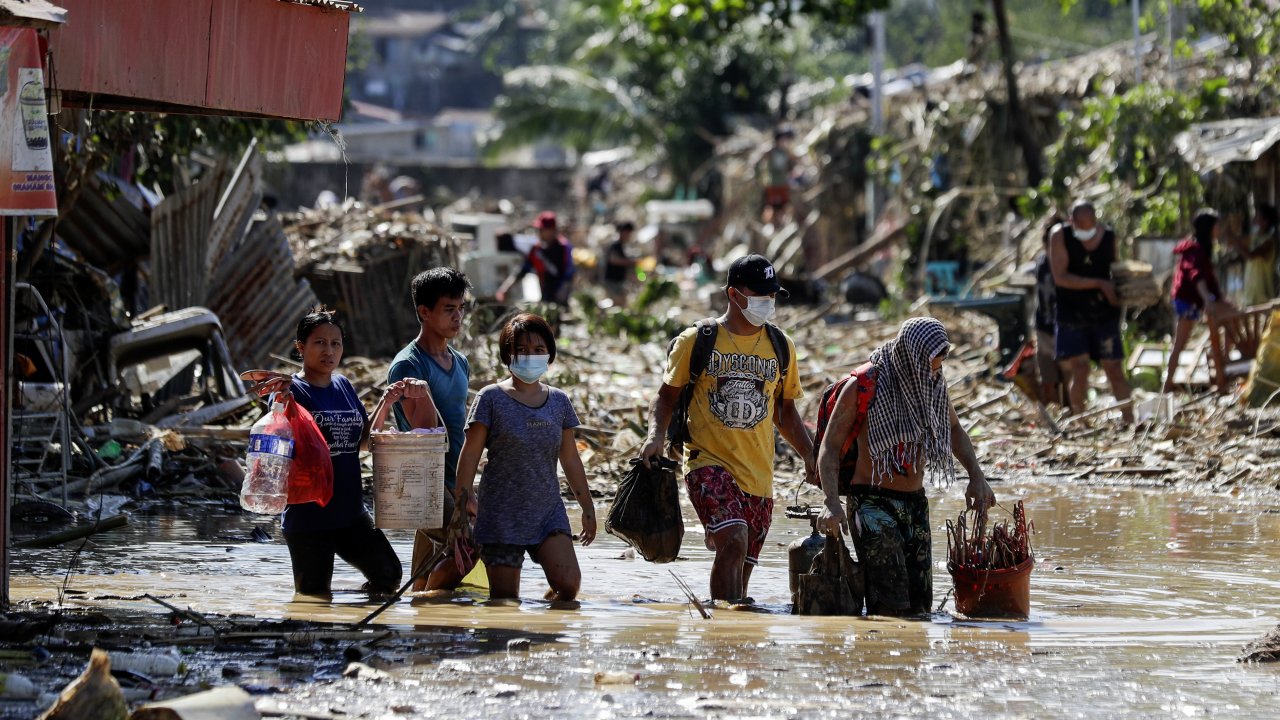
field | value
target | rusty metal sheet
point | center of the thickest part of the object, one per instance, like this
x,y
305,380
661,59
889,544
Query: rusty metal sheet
x,y
107,233
235,57
299,58
207,250
135,48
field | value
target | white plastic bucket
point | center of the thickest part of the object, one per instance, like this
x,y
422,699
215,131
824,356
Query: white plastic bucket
x,y
408,480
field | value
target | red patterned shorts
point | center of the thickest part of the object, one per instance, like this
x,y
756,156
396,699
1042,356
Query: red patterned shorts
x,y
720,503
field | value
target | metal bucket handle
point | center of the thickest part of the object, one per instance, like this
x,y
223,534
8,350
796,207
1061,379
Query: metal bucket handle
x,y
380,418
379,421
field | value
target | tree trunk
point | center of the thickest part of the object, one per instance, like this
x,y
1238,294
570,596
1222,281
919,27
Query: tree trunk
x,y
1021,128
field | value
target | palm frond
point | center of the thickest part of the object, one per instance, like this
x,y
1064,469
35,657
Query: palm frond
x,y
562,103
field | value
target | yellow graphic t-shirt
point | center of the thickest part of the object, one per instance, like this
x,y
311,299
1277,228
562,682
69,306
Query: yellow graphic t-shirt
x,y
732,407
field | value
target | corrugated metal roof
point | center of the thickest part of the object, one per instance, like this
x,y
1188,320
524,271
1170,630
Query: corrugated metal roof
x,y
37,14
343,5
1210,146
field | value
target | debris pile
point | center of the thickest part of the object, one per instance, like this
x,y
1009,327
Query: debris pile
x,y
361,259
213,247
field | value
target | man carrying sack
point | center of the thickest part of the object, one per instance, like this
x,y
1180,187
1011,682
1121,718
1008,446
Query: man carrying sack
x,y
910,423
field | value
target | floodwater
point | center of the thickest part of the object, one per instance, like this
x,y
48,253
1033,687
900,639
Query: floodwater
x,y
1141,601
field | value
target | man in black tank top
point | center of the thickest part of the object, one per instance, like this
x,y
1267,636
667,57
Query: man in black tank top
x,y
1081,252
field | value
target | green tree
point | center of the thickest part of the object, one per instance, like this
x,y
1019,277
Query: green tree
x,y
1132,134
672,77
711,19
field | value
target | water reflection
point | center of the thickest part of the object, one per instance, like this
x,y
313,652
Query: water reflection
x,y
1140,601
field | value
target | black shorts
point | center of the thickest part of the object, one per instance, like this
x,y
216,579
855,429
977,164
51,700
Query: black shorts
x,y
1100,341
512,556
360,544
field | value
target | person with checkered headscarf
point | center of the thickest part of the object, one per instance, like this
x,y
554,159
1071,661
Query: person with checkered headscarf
x,y
910,427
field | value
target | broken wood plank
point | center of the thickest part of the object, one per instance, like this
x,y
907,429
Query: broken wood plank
x,y
1132,471
211,432
75,533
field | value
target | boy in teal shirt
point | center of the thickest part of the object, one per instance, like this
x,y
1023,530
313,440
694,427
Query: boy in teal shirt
x,y
439,300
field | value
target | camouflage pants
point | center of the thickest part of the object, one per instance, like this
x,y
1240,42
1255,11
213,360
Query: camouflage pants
x,y
894,545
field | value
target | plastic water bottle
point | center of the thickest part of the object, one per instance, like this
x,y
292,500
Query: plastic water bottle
x,y
265,489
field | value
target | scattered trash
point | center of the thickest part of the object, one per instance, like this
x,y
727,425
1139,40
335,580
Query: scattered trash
x,y
1264,649
224,703
360,671
147,662
95,695
16,687
615,677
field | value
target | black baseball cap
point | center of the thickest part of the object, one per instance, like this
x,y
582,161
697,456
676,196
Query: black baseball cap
x,y
756,274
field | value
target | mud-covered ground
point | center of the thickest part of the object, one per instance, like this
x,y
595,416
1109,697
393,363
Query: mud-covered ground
x,y
1142,601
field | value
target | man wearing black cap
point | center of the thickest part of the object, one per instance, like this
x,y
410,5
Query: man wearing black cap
x,y
617,264
742,379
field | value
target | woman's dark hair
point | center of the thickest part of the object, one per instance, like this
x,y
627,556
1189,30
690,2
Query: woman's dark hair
x,y
1202,227
315,319
1268,212
524,324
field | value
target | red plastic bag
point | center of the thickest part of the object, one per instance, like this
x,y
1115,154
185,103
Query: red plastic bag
x,y
311,473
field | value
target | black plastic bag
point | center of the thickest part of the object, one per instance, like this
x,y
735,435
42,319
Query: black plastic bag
x,y
833,585
646,511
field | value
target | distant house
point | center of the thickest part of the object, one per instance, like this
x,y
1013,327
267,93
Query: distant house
x,y
420,63
454,134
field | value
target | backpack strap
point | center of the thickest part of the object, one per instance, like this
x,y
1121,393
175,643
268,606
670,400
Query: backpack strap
x,y
781,348
864,377
703,345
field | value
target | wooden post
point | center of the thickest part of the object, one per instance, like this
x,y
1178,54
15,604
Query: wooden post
x,y
6,330
1018,119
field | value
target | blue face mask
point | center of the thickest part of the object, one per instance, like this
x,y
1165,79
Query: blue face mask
x,y
530,368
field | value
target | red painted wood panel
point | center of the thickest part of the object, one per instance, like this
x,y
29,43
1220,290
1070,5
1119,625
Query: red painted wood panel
x,y
277,58
260,57
155,50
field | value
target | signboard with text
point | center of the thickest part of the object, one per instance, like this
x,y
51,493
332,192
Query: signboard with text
x,y
26,163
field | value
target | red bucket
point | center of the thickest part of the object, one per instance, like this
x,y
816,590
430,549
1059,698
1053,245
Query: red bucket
x,y
1002,593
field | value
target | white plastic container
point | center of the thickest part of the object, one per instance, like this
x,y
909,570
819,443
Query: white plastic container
x,y
408,479
265,488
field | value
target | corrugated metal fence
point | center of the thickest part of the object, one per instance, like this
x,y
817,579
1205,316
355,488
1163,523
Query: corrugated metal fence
x,y
211,246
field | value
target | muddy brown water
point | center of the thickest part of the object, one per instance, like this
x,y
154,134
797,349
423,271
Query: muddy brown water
x,y
1141,600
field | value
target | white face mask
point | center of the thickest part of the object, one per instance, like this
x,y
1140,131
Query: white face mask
x,y
530,368
759,310
1086,235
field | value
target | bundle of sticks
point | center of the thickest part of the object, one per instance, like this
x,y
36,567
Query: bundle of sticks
x,y
970,545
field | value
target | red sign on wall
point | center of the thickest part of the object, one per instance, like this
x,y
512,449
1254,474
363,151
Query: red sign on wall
x,y
26,164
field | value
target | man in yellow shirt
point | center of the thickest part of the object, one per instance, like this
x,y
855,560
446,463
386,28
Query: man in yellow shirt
x,y
748,385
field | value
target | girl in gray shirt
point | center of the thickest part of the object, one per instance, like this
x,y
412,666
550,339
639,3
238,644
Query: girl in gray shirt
x,y
527,427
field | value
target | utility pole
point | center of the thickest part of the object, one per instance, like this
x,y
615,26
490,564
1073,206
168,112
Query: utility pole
x,y
877,107
1137,41
1017,119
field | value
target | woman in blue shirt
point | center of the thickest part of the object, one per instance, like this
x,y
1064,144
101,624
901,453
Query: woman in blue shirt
x,y
342,527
